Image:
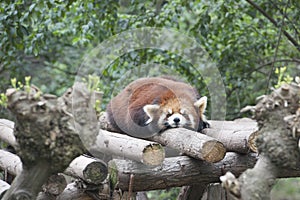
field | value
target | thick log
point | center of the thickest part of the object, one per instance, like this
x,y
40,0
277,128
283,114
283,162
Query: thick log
x,y
175,172
89,169
181,171
10,162
192,143
149,153
237,136
6,132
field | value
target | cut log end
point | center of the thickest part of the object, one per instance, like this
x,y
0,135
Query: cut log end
x,y
213,151
153,154
251,141
95,172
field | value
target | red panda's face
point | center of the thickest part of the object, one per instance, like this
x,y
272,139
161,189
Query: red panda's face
x,y
176,114
174,119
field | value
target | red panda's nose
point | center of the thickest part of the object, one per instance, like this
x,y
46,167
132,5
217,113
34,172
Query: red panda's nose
x,y
176,120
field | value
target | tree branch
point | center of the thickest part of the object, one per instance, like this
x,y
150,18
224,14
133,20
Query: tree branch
x,y
286,17
275,54
264,13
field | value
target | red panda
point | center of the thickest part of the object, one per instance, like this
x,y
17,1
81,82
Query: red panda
x,y
148,106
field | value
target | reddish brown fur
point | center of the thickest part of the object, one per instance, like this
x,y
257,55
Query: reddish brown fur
x,y
126,113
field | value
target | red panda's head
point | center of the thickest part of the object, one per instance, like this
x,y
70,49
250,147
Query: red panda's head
x,y
177,112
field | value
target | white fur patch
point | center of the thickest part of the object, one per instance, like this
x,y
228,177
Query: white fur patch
x,y
150,111
172,123
161,120
192,121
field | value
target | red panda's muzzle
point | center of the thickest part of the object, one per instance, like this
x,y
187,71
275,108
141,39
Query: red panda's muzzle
x,y
176,120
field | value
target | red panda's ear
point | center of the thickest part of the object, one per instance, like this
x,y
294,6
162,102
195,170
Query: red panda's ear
x,y
150,110
201,104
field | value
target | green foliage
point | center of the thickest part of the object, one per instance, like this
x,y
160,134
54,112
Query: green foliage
x,y
3,100
27,84
282,78
93,84
288,188
48,39
16,85
169,194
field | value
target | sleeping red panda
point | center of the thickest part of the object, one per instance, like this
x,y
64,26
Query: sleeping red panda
x,y
148,106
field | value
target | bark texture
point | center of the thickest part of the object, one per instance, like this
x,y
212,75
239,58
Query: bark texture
x,y
175,172
46,137
149,153
278,117
191,143
237,136
89,169
181,171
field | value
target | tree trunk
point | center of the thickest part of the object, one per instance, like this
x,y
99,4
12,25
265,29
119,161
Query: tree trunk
x,y
278,117
36,175
47,140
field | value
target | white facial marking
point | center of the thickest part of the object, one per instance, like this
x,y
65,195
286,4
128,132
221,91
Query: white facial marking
x,y
182,111
170,111
161,120
176,120
192,121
